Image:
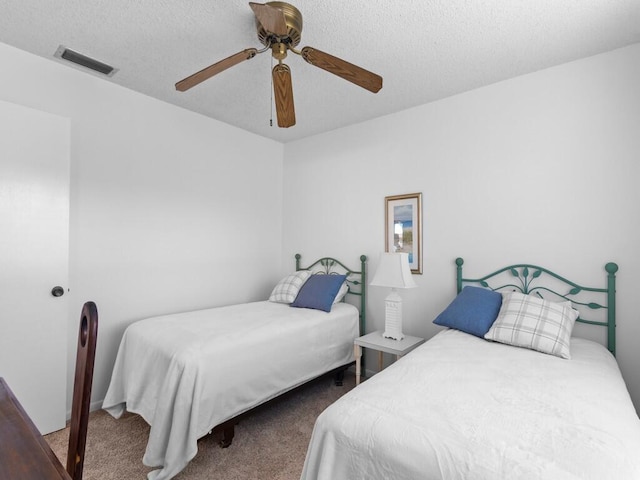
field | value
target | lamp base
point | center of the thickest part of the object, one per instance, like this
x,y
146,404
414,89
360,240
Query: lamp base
x,y
393,335
393,316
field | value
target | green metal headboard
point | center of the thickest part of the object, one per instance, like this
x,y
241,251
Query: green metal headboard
x,y
355,279
526,279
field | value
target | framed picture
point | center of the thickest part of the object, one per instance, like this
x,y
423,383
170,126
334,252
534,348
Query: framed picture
x,y
403,221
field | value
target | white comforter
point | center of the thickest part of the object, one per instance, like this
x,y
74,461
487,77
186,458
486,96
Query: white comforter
x,y
460,407
188,372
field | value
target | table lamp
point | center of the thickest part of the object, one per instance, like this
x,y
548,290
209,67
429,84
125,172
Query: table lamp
x,y
393,272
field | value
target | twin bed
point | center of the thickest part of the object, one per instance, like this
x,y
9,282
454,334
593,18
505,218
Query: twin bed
x,y
458,407
190,372
462,407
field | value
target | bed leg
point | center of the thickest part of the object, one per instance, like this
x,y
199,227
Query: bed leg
x,y
228,431
339,377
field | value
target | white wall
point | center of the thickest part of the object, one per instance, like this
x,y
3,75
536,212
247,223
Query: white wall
x,y
540,169
170,210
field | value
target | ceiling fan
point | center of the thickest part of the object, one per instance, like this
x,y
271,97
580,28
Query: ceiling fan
x,y
279,26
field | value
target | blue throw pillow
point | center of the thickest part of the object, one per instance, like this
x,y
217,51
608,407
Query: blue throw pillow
x,y
319,291
473,311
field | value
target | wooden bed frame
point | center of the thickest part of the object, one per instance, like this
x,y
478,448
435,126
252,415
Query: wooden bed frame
x,y
356,282
527,279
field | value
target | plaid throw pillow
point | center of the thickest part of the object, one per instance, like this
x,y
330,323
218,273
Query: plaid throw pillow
x,y
531,322
287,289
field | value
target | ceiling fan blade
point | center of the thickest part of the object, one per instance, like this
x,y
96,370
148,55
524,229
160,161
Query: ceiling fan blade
x,y
361,77
283,93
271,18
210,71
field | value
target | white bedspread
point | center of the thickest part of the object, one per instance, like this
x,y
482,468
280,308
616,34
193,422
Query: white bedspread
x,y
459,407
188,372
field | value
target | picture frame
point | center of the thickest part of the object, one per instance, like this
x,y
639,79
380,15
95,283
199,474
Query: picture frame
x,y
403,227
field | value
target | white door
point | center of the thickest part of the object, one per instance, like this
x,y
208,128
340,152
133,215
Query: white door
x,y
34,257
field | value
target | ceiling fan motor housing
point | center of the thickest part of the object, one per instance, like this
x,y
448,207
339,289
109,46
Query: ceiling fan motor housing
x,y
279,26
293,19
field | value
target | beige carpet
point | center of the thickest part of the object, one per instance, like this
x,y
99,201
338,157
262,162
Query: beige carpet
x,y
269,444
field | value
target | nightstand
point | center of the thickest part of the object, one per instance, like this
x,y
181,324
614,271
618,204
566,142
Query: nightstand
x,y
376,341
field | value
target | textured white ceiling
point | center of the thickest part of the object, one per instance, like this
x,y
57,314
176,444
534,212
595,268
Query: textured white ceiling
x,y
424,49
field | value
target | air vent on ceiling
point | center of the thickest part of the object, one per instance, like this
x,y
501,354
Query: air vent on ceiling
x,y
87,62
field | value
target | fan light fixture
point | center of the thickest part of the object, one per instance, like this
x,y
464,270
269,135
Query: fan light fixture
x,y
393,272
279,26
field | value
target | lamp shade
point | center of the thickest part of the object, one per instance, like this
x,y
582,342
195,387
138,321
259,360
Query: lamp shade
x,y
393,271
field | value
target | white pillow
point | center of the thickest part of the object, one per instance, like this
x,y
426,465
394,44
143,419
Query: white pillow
x,y
532,322
287,289
344,288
